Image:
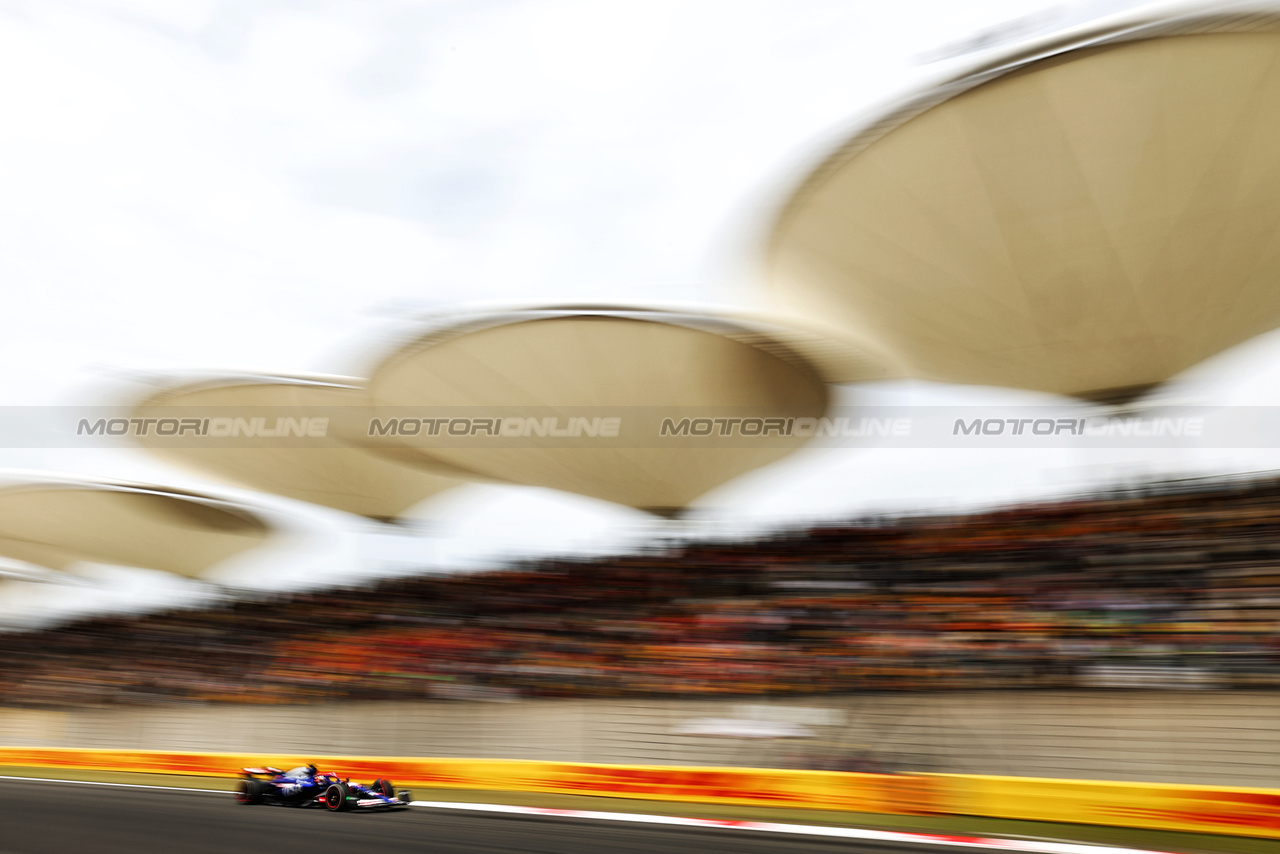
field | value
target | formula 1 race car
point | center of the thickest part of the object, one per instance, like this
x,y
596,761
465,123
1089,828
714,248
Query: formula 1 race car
x,y
307,787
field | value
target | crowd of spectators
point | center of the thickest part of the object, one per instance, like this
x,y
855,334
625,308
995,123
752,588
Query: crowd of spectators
x,y
1171,587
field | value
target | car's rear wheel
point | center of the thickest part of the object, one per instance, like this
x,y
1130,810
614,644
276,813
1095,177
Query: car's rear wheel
x,y
383,787
249,791
335,797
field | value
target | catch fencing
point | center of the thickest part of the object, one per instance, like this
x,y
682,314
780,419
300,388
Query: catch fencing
x,y
1204,738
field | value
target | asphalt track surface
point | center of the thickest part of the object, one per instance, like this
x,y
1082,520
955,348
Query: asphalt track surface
x,y
43,817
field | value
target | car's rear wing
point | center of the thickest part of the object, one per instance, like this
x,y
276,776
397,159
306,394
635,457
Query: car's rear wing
x,y
262,770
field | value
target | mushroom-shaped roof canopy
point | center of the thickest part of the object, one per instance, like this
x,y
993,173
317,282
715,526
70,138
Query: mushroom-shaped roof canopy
x,y
55,524
336,473
638,366
1084,217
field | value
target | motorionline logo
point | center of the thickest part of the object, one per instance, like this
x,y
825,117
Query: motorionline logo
x,y
221,427
508,426
1093,426
804,428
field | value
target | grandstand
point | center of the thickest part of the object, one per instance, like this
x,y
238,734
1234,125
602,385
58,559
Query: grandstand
x,y
1171,586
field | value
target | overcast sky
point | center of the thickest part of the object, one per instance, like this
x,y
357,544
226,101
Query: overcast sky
x,y
274,185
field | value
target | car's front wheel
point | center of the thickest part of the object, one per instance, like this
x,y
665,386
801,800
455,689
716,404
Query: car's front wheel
x,y
335,797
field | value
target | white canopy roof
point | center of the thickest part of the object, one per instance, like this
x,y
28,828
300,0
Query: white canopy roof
x,y
639,366
54,524
1085,216
334,473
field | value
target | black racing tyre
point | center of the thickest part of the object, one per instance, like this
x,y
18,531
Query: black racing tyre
x,y
383,787
335,797
249,791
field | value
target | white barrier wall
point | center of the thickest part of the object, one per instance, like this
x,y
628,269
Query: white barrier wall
x,y
1208,738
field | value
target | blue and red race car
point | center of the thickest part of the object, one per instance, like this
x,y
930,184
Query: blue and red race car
x,y
307,787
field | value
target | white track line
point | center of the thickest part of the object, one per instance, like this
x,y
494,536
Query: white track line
x,y
118,785
804,829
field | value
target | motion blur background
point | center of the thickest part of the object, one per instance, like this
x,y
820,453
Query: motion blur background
x,y
300,200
